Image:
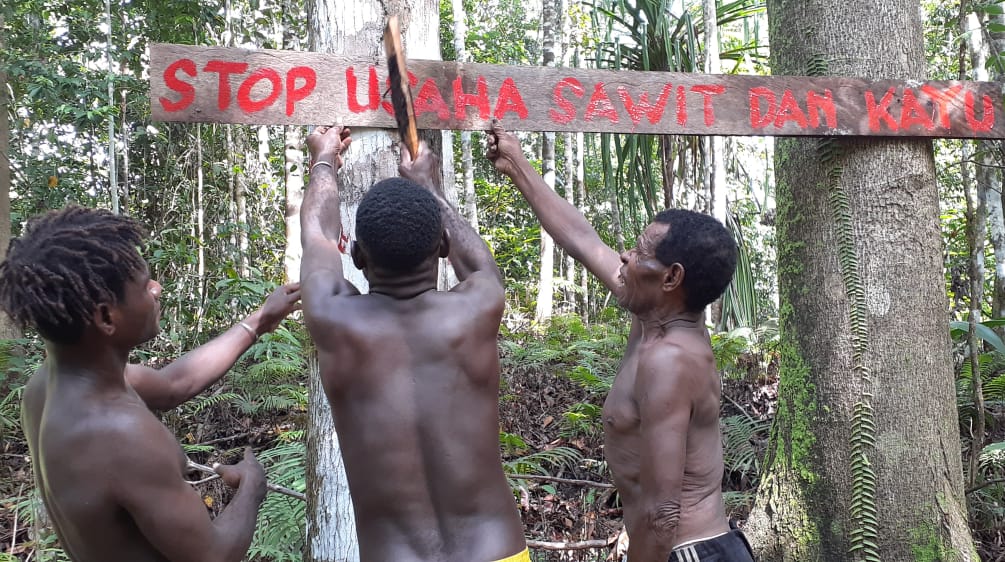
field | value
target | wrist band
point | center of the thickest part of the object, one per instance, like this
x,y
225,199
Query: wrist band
x,y
254,334
322,163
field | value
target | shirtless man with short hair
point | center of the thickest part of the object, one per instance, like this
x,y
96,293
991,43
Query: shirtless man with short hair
x,y
111,475
412,373
661,417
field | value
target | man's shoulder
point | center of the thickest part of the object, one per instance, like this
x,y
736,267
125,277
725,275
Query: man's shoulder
x,y
676,361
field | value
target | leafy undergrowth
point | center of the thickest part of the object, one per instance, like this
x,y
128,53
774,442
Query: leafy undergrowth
x,y
552,391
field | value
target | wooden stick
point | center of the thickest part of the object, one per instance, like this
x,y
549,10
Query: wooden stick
x,y
561,480
273,487
574,545
401,94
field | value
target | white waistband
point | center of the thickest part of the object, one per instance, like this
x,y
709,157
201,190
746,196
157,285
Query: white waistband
x,y
696,541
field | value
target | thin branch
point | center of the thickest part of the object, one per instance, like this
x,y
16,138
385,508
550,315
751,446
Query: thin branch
x,y
984,484
738,407
222,439
561,480
273,487
575,545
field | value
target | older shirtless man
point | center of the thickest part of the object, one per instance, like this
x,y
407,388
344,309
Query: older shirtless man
x,y
661,418
110,474
412,373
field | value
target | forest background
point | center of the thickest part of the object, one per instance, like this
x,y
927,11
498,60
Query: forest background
x,y
221,203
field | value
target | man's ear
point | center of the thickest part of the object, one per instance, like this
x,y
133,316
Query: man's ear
x,y
674,277
358,256
103,318
445,244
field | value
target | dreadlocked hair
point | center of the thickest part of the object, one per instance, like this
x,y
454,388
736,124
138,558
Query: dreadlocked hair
x,y
64,264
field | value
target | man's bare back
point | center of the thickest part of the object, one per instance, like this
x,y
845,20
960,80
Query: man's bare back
x,y
420,410
412,374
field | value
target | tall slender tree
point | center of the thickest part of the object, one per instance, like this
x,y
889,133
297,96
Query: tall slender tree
x,y
467,160
354,29
7,329
989,176
550,38
862,352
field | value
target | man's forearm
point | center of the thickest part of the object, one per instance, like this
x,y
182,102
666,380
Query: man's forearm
x,y
321,200
235,525
196,370
468,252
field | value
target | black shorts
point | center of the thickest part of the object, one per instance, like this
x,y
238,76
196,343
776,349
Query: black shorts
x,y
730,547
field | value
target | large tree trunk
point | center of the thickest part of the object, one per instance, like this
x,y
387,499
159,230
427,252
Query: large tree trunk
x,y
353,29
862,351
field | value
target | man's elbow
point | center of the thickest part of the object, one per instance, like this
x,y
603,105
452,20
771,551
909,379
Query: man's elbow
x,y
664,519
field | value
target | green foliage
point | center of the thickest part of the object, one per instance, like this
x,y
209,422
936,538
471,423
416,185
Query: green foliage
x,y
591,353
738,451
280,535
540,461
865,531
581,419
512,444
19,359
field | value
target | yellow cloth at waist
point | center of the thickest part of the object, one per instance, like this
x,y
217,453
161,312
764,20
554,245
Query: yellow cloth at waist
x,y
522,556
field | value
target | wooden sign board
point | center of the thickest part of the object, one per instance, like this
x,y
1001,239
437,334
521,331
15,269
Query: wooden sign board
x,y
230,85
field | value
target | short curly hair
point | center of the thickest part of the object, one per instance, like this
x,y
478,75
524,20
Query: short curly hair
x,y
706,250
64,265
398,224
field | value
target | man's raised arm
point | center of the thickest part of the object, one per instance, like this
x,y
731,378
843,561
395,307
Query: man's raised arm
x,y
563,221
468,252
190,374
320,223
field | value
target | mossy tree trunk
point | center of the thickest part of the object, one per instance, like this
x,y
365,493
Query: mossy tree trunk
x,y
864,459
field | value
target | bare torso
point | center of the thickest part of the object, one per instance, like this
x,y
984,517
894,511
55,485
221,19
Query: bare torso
x,y
67,422
702,511
414,387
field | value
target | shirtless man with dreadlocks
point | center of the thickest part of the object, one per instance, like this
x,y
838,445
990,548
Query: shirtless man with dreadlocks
x,y
110,474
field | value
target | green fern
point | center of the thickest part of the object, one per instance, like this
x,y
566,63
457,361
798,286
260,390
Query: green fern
x,y
538,462
581,419
738,453
865,531
199,404
280,534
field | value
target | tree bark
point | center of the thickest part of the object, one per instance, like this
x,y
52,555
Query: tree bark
x,y
990,182
550,36
293,179
7,328
584,279
354,29
715,168
467,159
862,352
976,192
